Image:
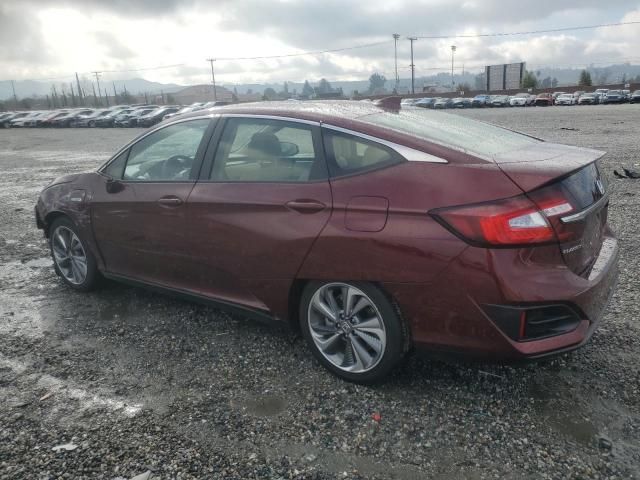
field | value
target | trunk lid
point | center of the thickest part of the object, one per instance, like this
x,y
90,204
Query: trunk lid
x,y
545,171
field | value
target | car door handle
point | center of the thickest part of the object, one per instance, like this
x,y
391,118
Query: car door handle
x,y
170,201
306,206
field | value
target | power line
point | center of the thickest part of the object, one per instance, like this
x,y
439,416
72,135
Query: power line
x,y
300,54
530,32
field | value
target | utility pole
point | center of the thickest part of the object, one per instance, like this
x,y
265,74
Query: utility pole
x,y
453,51
95,97
15,97
413,77
97,74
213,79
396,36
106,96
80,94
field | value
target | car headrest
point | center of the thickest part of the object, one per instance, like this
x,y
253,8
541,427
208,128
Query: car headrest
x,y
266,143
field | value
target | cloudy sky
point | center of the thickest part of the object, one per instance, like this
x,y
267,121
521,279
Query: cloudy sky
x,y
43,39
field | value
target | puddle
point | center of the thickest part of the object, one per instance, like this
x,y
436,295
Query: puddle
x,y
61,392
550,396
265,405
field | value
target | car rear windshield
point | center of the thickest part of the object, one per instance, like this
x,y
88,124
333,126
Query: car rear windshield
x,y
471,136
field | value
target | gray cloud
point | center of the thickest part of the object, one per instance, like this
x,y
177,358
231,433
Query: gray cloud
x,y
113,46
20,39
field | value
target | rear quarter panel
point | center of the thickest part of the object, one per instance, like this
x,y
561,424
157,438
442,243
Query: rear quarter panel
x,y
412,246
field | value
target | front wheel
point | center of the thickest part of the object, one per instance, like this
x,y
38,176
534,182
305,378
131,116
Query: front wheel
x,y
72,260
353,329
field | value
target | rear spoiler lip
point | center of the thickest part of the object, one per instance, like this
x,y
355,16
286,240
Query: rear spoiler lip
x,y
573,158
590,155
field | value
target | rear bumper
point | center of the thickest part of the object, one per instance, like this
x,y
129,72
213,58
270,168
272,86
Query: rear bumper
x,y
451,316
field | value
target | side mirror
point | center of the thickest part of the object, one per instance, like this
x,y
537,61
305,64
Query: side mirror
x,y
114,186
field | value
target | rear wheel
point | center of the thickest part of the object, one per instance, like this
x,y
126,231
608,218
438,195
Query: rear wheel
x,y
353,329
72,260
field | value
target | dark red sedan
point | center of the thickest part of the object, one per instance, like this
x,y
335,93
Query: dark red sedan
x,y
372,229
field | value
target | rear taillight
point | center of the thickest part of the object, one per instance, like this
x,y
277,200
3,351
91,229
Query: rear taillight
x,y
516,221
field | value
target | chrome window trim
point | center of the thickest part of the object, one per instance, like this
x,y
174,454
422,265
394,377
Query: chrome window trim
x,y
410,154
270,117
576,217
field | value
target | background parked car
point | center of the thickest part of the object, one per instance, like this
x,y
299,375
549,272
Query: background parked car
x,y
194,107
407,102
131,119
90,119
442,103
109,119
522,100
614,96
481,101
6,122
500,101
45,121
635,97
544,100
21,120
65,120
425,102
565,99
155,116
461,102
589,99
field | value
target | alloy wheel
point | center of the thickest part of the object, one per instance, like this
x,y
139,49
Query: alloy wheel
x,y
347,327
69,255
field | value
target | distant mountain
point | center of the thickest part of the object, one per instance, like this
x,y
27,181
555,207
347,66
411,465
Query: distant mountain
x,y
138,86
135,86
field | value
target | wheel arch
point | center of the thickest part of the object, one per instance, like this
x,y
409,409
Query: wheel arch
x,y
295,295
51,217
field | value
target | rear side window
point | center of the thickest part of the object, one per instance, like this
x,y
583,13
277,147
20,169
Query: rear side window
x,y
349,154
266,150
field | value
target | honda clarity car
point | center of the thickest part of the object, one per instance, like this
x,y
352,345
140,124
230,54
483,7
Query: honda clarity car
x,y
373,230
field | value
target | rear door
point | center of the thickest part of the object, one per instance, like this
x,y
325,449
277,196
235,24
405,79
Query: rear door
x,y
262,200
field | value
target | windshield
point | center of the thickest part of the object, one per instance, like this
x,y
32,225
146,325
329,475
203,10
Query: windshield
x,y
453,131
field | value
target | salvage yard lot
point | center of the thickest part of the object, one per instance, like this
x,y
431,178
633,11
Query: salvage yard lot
x,y
139,382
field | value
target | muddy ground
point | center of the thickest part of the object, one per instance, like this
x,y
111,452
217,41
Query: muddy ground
x,y
137,382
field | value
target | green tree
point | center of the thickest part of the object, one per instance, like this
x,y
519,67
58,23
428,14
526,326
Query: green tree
x,y
324,86
529,80
307,89
269,94
585,79
463,87
376,82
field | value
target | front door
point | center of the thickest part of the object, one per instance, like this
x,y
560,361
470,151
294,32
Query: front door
x,y
257,209
139,212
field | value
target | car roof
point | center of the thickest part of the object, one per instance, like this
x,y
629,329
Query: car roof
x,y
315,110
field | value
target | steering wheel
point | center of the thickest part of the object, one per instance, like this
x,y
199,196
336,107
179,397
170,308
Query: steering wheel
x,y
174,167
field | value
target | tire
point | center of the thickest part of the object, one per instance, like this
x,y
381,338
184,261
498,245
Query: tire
x,y
92,124
346,353
70,270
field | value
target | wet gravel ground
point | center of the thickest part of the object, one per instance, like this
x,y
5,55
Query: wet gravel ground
x,y
141,384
